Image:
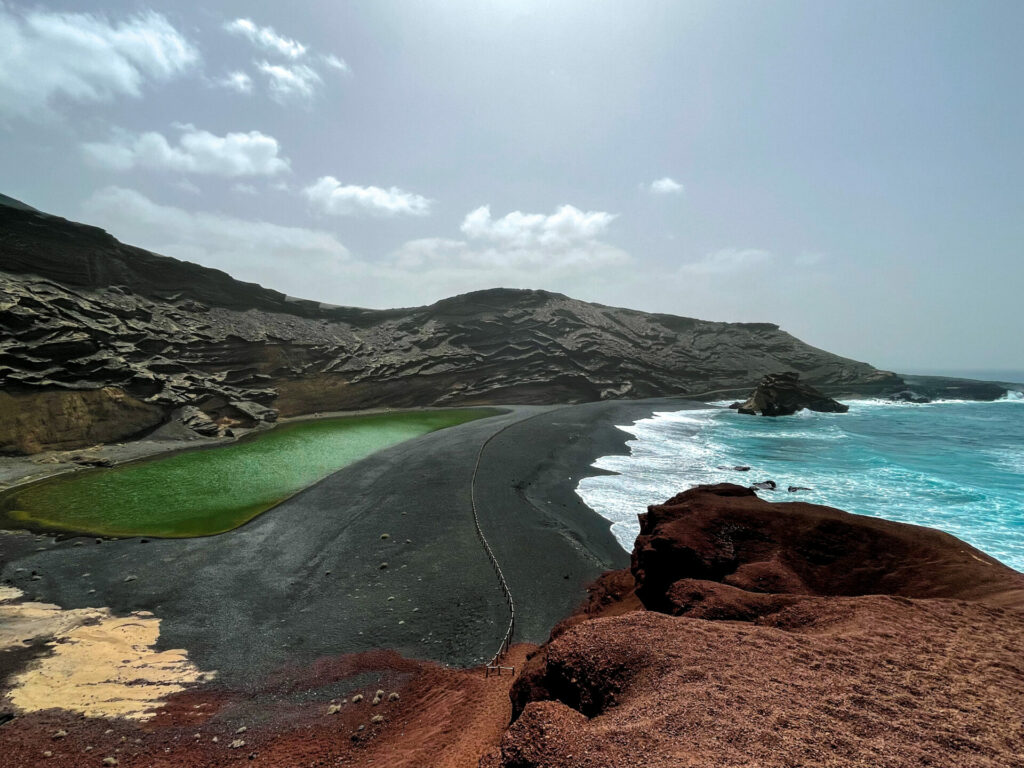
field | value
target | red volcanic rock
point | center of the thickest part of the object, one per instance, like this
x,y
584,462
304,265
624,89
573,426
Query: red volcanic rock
x,y
725,533
781,635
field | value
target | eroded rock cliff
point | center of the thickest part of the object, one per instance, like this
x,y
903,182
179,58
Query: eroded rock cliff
x,y
81,311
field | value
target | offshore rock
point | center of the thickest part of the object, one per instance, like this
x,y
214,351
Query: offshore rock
x,y
909,396
783,394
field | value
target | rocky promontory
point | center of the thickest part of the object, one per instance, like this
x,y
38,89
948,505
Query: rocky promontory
x,y
780,634
103,342
783,394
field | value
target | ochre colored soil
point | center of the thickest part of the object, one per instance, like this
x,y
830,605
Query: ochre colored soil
x,y
443,717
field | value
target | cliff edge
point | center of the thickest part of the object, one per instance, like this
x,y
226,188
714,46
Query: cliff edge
x,y
780,634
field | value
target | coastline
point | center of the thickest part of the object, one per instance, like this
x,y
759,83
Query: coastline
x,y
305,580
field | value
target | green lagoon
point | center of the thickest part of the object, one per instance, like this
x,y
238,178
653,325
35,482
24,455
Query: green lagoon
x,y
207,491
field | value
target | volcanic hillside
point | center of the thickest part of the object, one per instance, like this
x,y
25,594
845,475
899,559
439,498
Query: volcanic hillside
x,y
103,341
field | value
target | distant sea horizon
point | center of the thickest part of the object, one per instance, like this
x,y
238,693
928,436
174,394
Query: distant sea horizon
x,y
1015,375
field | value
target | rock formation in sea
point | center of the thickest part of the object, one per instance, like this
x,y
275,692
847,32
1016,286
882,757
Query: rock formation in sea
x,y
783,394
102,342
779,634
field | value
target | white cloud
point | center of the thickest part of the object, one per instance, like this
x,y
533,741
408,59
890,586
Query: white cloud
x,y
297,81
666,186
313,264
727,261
567,224
328,195
519,248
334,62
47,57
283,258
244,189
235,154
266,38
236,81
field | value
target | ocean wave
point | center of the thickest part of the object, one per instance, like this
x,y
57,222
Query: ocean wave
x,y
956,467
1012,396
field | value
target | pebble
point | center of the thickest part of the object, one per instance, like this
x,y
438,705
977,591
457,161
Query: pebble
x,y
131,577
357,698
393,696
243,729
334,709
377,719
236,744
385,535
110,761
60,734
47,753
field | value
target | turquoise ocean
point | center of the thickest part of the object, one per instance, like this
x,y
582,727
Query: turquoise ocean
x,y
953,465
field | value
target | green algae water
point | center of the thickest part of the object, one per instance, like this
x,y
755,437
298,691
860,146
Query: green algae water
x,y
208,491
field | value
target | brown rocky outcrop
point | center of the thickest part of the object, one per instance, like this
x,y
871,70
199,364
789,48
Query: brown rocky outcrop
x,y
777,635
80,311
63,419
783,394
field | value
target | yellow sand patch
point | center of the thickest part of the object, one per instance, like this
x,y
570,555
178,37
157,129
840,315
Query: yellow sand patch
x,y
100,666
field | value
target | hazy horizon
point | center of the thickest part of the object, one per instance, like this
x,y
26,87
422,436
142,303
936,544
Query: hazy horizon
x,y
848,171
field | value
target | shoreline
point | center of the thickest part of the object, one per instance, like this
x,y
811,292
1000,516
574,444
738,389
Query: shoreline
x,y
315,578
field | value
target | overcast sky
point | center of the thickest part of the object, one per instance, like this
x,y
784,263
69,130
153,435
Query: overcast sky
x,y
852,171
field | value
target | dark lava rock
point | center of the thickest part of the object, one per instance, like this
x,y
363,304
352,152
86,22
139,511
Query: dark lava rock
x,y
909,396
783,394
86,313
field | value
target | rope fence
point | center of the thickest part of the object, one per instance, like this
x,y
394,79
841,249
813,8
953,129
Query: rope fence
x,y
506,640
493,665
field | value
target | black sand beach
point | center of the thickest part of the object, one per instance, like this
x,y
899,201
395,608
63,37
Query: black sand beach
x,y
317,577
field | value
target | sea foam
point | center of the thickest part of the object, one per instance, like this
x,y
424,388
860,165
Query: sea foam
x,y
955,466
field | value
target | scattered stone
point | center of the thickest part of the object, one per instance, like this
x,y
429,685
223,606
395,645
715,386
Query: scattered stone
x,y
357,698
60,734
766,485
243,729
334,709
377,719
795,488
393,696
110,761
47,753
383,566
214,739
236,744
385,535
131,577
361,728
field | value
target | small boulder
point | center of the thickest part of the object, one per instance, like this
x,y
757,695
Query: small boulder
x,y
909,396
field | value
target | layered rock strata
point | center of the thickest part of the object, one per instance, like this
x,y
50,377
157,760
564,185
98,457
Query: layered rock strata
x,y
80,311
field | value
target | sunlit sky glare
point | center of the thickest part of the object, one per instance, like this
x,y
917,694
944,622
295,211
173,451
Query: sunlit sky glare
x,y
849,170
